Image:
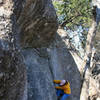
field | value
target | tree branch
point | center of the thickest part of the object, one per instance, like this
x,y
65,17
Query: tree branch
x,y
69,20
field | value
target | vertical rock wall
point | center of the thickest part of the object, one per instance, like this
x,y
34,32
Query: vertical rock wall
x,y
31,25
63,67
12,68
37,23
45,65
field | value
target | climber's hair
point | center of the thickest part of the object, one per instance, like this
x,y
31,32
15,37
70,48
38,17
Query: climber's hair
x,y
66,82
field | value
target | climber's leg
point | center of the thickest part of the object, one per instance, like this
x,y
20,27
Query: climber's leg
x,y
65,96
59,92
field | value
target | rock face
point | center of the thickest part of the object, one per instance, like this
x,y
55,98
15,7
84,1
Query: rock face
x,y
45,65
12,68
27,28
12,76
36,29
37,22
94,86
64,67
40,85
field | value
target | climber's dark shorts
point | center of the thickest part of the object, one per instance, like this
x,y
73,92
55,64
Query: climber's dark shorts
x,y
62,94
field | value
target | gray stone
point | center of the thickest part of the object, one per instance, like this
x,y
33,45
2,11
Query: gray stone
x,y
40,81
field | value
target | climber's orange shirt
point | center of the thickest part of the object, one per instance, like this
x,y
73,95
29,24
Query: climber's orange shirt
x,y
65,88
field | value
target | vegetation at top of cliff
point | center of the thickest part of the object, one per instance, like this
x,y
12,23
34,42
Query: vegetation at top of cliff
x,y
75,16
73,12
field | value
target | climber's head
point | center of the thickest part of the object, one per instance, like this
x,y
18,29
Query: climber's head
x,y
62,82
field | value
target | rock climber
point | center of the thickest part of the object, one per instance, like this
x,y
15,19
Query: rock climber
x,y
63,90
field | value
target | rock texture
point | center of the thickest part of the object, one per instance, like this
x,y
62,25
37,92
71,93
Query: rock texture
x,y
12,69
46,64
12,76
37,23
40,81
27,28
63,67
37,29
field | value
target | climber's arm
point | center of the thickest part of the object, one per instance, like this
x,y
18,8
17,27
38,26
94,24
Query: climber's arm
x,y
58,87
57,81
